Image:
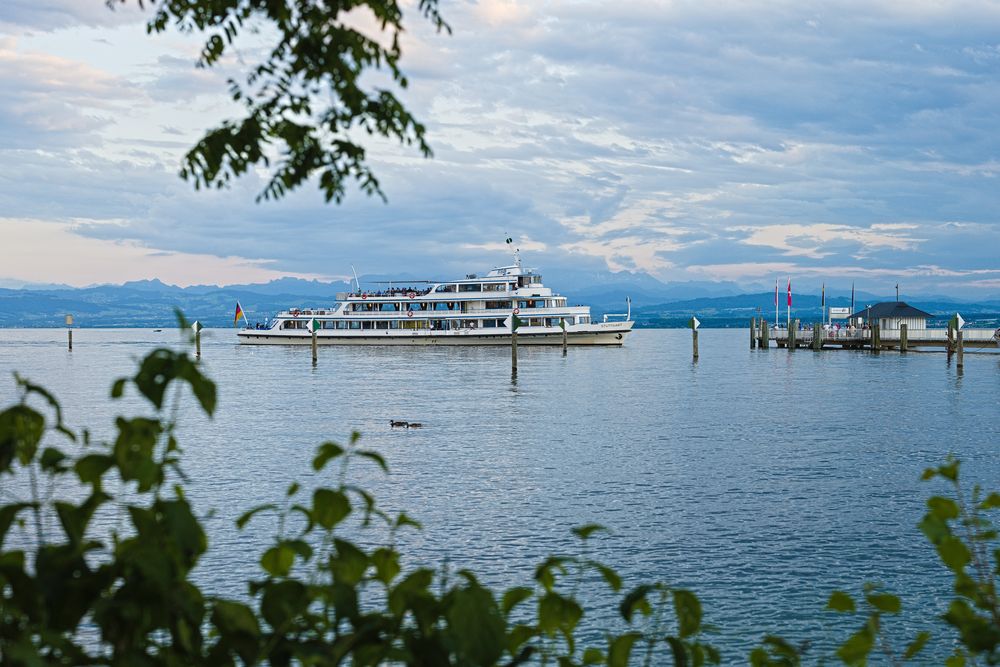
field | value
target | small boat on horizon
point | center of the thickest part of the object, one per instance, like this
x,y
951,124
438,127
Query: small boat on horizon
x,y
476,310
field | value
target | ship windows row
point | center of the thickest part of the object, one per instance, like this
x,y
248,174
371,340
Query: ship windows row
x,y
438,325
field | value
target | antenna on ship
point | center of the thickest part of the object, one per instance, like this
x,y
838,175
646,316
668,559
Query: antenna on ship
x,y
517,252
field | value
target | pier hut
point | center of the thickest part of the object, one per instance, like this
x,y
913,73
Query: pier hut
x,y
889,315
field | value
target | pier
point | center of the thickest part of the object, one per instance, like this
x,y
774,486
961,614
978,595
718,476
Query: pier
x,y
873,338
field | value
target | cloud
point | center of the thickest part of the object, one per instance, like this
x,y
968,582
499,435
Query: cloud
x,y
35,250
714,140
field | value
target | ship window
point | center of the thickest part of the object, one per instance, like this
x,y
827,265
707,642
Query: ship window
x,y
394,324
470,287
329,324
496,305
389,306
341,325
447,288
367,324
381,325
584,319
355,325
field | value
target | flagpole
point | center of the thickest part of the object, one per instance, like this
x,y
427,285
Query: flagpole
x,y
775,303
788,306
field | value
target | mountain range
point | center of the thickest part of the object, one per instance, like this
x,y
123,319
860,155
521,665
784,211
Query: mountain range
x,y
151,303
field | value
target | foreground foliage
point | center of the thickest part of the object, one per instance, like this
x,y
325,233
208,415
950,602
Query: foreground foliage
x,y
78,588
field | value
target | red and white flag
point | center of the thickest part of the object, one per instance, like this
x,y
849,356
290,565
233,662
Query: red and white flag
x,y
789,292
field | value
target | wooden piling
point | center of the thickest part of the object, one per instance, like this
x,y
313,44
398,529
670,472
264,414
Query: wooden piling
x,y
817,336
565,337
694,344
959,349
951,339
69,331
876,338
314,346
765,330
753,333
792,330
904,337
197,343
513,352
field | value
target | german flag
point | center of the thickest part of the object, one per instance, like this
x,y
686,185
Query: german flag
x,y
239,314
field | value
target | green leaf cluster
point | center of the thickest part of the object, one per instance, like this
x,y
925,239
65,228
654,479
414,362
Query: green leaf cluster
x,y
310,95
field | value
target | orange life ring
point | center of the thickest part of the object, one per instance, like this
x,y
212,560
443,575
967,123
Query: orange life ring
x,y
364,296
411,294
517,311
409,313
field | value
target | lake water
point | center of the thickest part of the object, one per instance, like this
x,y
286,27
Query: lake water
x,y
761,480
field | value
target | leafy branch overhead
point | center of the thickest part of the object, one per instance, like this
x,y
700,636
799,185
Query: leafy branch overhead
x,y
305,102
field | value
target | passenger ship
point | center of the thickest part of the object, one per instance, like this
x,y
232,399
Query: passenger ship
x,y
472,311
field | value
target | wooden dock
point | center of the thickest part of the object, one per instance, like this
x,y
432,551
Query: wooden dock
x,y
874,338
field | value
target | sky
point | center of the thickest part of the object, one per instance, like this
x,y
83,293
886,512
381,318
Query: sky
x,y
708,140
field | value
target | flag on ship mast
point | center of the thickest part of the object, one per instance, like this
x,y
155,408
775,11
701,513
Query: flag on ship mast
x,y
239,314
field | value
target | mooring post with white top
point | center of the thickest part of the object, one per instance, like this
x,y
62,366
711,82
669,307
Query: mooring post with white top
x,y
69,331
694,323
197,327
959,349
515,322
313,326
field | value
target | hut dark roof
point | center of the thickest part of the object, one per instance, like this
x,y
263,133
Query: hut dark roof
x,y
892,310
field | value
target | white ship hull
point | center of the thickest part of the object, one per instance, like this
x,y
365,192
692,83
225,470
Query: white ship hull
x,y
605,333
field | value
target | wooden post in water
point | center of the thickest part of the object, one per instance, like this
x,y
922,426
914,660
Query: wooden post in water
x,y
876,338
765,329
694,344
753,333
904,337
69,331
565,336
513,351
960,349
951,339
792,330
817,336
197,344
314,346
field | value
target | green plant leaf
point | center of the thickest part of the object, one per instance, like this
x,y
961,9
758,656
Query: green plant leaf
x,y
278,560
688,610
514,597
373,456
635,601
478,631
620,649
326,453
21,429
330,507
244,518
885,602
917,645
583,532
841,601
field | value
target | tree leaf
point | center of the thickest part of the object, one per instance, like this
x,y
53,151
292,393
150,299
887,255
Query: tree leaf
x,y
326,453
841,601
688,610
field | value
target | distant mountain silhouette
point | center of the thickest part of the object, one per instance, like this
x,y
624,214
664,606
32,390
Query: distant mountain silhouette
x,y
151,303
